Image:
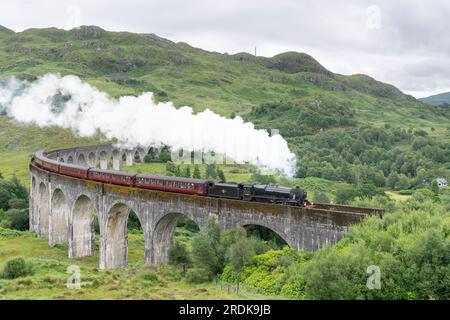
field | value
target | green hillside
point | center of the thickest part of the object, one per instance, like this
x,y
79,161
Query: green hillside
x,y
125,63
438,99
379,127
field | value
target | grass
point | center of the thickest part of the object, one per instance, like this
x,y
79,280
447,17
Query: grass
x,y
139,281
15,163
397,197
17,137
18,143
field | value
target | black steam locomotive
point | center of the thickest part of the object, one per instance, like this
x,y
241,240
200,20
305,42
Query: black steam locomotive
x,y
260,193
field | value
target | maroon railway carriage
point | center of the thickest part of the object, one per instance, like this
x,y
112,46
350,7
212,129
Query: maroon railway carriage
x,y
36,161
173,184
45,163
110,176
73,170
38,158
51,165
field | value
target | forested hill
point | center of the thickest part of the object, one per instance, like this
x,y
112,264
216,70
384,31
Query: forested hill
x,y
350,128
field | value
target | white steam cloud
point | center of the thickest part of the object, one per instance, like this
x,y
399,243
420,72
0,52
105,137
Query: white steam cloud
x,y
69,103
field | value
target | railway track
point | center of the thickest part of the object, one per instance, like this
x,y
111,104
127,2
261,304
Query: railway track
x,y
325,207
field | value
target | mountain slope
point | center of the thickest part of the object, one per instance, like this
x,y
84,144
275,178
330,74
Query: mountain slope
x,y
4,30
438,99
121,63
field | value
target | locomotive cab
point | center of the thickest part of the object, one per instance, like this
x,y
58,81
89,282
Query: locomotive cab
x,y
298,195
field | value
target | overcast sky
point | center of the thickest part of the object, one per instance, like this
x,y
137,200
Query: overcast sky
x,y
402,42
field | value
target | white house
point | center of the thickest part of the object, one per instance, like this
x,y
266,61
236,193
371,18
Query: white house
x,y
442,182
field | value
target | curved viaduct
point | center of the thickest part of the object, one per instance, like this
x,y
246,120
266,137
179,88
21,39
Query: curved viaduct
x,y
62,208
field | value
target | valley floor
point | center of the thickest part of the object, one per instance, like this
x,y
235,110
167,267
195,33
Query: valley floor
x,y
49,275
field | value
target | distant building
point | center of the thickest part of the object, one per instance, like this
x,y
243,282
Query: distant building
x,y
442,182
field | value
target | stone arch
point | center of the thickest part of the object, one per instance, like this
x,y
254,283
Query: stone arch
x,y
43,210
61,159
262,232
82,235
139,154
81,160
69,159
91,159
115,237
283,235
163,235
103,160
59,216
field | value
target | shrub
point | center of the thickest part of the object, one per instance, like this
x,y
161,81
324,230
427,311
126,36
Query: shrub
x,y
150,276
16,203
321,197
178,255
8,233
19,219
376,202
206,251
411,246
198,275
294,283
405,192
15,268
345,195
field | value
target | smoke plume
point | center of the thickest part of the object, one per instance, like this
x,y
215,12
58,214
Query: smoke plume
x,y
70,103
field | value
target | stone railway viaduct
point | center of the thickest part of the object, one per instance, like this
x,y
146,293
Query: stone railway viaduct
x,y
62,208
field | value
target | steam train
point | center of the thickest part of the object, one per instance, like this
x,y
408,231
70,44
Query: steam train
x,y
200,187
